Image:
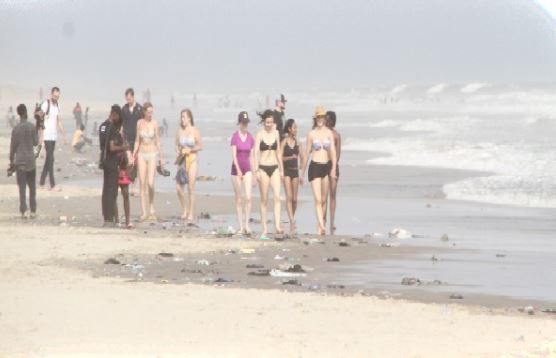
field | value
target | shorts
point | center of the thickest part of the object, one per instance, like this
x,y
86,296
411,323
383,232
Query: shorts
x,y
123,178
291,172
319,170
244,167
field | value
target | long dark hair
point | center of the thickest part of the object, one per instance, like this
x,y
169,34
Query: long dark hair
x,y
189,114
331,119
289,124
264,115
116,109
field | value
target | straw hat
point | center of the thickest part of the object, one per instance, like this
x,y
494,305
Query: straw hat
x,y
319,112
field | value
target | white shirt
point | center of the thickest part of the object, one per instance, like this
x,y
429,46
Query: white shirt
x,y
50,121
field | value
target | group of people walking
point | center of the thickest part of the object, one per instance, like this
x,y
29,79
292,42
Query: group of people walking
x,y
130,149
270,158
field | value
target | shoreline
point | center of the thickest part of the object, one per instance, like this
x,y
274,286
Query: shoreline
x,y
59,298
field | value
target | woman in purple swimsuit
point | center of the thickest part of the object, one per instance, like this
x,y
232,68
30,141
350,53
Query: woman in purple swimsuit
x,y
242,143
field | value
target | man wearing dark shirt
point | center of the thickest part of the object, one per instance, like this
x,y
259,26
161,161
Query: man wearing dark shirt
x,y
22,160
131,113
278,114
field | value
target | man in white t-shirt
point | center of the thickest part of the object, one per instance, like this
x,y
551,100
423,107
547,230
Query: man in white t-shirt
x,y
52,123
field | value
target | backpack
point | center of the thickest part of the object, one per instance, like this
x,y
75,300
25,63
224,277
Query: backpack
x,y
103,131
40,115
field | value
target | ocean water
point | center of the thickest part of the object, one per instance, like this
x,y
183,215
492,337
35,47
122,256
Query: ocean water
x,y
505,131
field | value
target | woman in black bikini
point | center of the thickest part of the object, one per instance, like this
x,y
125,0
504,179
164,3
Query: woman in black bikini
x,y
291,152
322,151
331,123
268,168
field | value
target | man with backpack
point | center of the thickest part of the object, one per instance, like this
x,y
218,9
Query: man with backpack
x,y
52,122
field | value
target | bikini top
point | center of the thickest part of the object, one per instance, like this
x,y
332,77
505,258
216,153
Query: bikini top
x,y
263,146
147,134
187,142
317,145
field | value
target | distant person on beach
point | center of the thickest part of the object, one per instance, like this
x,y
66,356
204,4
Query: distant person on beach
x,y
147,154
279,115
52,123
131,112
269,169
331,123
188,144
22,160
79,139
292,154
86,117
165,126
243,160
10,118
113,147
322,152
78,115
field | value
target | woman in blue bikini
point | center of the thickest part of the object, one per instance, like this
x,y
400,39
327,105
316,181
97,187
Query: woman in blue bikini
x,y
322,151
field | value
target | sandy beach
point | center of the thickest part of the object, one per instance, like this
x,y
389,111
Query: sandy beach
x,y
196,296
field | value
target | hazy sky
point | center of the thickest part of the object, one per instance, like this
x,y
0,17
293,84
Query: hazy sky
x,y
260,44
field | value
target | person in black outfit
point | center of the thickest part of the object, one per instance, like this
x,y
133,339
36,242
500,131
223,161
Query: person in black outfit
x,y
22,160
279,114
292,155
131,113
113,144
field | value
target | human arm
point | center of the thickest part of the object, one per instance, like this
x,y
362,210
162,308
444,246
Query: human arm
x,y
13,147
309,146
333,157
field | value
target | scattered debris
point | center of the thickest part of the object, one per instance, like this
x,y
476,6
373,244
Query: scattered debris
x,y
165,255
204,216
331,259
111,261
530,310
204,262
400,234
280,273
291,282
259,273
335,287
500,255
254,266
223,280
388,244
444,237
191,271
343,244
434,258
456,297
410,281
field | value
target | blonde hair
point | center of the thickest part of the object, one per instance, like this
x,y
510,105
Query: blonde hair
x,y
146,106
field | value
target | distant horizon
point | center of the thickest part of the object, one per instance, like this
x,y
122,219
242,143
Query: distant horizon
x,y
271,45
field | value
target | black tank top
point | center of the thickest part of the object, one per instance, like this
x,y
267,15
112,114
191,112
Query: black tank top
x,y
288,152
